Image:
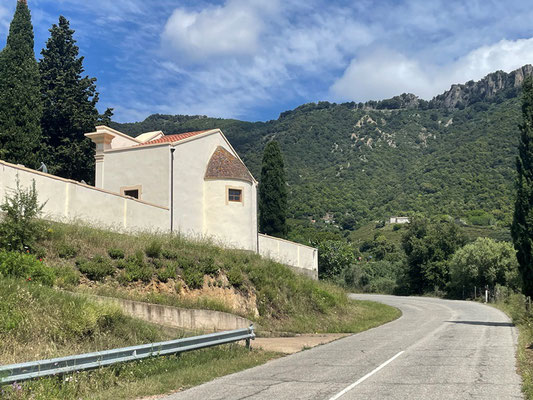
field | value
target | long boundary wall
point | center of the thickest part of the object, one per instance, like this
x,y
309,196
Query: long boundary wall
x,y
303,259
66,200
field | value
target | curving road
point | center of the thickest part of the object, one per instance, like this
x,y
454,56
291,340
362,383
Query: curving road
x,y
438,349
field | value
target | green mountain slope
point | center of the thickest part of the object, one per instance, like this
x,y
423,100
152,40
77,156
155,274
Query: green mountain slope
x,y
370,161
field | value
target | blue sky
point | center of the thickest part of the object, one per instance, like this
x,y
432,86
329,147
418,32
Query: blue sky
x,y
252,59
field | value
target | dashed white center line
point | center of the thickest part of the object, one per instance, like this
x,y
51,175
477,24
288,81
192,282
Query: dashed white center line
x,y
343,392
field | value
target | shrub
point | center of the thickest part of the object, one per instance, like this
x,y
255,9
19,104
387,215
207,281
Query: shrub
x,y
138,272
209,266
396,227
96,269
20,228
121,264
67,276
235,277
67,250
170,254
116,254
193,278
167,273
26,266
153,250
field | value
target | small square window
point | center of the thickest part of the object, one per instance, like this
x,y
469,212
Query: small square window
x,y
132,193
235,195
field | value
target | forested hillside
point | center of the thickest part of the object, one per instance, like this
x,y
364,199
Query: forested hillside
x,y
453,155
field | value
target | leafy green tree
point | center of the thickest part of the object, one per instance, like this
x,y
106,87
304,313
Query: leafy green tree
x,y
522,227
428,247
69,101
20,102
483,262
333,257
273,193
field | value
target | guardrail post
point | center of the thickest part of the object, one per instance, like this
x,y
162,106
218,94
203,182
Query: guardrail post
x,y
252,336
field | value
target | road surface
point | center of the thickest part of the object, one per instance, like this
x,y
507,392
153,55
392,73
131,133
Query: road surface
x,y
438,349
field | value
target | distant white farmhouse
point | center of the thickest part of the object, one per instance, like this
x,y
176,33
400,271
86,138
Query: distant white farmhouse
x,y
399,220
192,183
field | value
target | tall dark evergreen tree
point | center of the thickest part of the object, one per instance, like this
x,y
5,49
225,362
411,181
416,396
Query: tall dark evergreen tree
x,y
69,101
522,227
20,101
273,193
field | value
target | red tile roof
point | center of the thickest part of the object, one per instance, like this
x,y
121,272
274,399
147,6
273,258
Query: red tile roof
x,y
224,165
172,138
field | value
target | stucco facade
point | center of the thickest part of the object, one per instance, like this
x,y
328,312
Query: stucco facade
x,y
171,171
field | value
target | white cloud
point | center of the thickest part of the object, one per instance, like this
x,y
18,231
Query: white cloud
x,y
386,73
232,29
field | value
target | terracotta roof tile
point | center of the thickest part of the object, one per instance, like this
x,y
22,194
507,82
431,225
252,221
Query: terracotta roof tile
x,y
224,165
172,138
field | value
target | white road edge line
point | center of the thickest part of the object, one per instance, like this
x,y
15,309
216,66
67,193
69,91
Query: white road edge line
x,y
338,395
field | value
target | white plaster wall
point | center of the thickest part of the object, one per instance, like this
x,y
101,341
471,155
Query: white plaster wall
x,y
68,200
190,163
290,253
146,166
233,224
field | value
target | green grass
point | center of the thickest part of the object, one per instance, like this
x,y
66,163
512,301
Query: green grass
x,y
148,377
515,308
38,322
278,298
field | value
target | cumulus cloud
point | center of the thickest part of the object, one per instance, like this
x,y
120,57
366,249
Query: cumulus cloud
x,y
386,73
231,29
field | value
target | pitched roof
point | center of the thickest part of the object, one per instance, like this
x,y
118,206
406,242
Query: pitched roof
x,y
172,138
224,165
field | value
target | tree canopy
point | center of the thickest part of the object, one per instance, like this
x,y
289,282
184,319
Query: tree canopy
x,y
69,101
20,102
522,227
273,193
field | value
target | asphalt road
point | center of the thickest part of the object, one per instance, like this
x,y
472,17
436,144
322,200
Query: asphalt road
x,y
438,349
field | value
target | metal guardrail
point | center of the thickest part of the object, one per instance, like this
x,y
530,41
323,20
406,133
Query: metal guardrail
x,y
57,366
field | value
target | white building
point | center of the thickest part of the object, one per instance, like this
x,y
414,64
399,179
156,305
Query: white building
x,y
197,175
399,220
200,178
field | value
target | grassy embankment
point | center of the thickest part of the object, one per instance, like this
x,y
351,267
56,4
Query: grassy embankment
x,y
515,308
196,274
39,321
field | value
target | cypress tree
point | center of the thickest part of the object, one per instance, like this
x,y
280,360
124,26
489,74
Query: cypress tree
x,y
273,193
522,227
20,101
69,101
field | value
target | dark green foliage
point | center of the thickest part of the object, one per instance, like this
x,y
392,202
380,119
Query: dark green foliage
x,y
20,102
96,269
235,277
166,273
373,277
69,106
67,250
522,227
116,254
193,278
153,249
428,247
333,257
170,254
338,162
137,272
273,193
20,228
17,265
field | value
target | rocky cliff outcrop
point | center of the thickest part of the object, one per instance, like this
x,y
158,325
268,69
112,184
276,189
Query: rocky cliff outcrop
x,y
486,89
